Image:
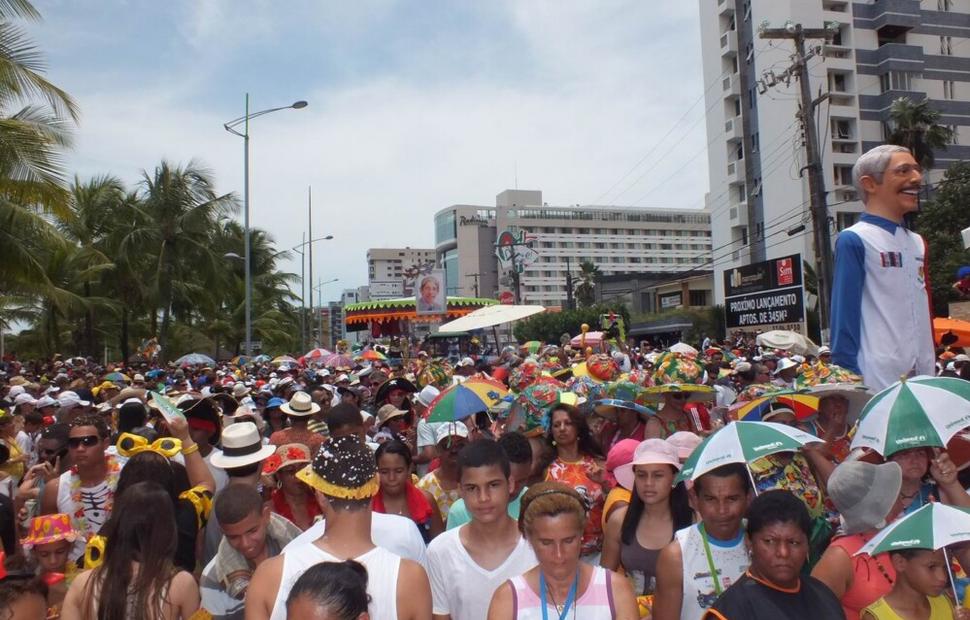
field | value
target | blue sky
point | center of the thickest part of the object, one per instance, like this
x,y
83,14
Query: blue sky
x,y
413,106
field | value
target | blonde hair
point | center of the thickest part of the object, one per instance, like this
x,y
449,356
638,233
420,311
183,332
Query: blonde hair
x,y
551,499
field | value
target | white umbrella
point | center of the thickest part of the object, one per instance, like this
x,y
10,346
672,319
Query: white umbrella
x,y
488,316
193,359
790,341
920,412
683,347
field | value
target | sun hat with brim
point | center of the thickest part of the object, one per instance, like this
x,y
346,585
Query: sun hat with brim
x,y
300,405
648,452
678,372
241,446
48,529
864,493
398,383
286,455
600,406
856,393
427,394
387,413
275,403
786,363
343,468
685,442
620,454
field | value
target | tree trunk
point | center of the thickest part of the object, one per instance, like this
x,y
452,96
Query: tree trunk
x,y
89,344
163,334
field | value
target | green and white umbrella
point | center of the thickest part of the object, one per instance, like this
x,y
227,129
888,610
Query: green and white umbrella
x,y
743,442
919,412
933,526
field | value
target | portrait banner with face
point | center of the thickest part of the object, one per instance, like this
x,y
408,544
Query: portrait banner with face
x,y
430,293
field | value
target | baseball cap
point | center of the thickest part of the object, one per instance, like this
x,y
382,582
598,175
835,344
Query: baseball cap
x,y
451,429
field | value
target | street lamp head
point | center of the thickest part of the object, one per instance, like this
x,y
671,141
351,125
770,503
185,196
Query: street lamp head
x,y
299,104
328,237
231,255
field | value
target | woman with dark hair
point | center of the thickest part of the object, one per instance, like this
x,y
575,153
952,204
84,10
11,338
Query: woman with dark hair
x,y
330,591
137,579
399,496
635,534
578,462
190,487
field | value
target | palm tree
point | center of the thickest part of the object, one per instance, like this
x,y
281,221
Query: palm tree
x,y
585,291
916,126
181,211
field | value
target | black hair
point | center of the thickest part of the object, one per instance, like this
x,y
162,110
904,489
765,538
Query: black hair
x,y
59,432
342,416
517,447
588,446
149,466
243,471
908,554
12,590
4,453
236,502
338,587
394,446
726,471
778,506
131,416
681,514
482,453
33,417
89,419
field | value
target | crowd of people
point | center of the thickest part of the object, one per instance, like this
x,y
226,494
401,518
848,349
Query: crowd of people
x,y
289,490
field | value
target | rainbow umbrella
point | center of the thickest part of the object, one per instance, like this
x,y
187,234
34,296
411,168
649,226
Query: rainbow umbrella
x,y
316,355
372,356
339,360
116,377
804,405
239,360
464,399
286,359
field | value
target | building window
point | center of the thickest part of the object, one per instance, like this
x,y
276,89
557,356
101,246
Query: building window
x,y
697,298
949,89
844,219
944,5
843,175
897,80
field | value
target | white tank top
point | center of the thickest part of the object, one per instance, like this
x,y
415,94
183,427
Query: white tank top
x,y
382,570
95,503
699,589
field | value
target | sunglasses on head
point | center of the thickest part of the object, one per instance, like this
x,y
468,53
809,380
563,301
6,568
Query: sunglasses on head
x,y
87,441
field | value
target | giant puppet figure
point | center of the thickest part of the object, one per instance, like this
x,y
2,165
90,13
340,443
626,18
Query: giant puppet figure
x,y
881,316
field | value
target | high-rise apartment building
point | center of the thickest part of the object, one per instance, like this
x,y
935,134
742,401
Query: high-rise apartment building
x,y
387,270
880,50
618,240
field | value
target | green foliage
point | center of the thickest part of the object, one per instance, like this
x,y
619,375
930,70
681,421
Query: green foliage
x,y
940,221
585,291
550,326
916,126
706,321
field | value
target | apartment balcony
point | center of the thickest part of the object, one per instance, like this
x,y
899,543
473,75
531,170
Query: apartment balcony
x,y
733,129
725,7
898,13
729,44
731,85
893,57
738,215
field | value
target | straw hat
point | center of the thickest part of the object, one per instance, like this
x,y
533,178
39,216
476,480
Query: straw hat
x,y
241,446
300,405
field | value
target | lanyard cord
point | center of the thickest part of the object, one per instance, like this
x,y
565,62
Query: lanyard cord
x,y
710,560
569,598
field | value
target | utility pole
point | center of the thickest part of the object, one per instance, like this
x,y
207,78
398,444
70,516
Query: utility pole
x,y
303,295
309,225
816,176
474,275
569,286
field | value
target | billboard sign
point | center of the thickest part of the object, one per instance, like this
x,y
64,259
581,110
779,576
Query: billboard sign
x,y
430,293
766,295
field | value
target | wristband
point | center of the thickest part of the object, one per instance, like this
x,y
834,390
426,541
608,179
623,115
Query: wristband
x,y
190,450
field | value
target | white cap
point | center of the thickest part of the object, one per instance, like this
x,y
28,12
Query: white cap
x,y
824,350
15,390
962,357
466,361
138,377
71,399
428,394
46,401
785,364
23,399
451,429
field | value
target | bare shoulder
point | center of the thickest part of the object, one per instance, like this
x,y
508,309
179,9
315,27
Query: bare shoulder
x,y
671,555
184,581
267,577
411,573
501,605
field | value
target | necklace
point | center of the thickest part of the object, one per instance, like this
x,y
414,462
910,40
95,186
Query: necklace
x,y
562,610
111,482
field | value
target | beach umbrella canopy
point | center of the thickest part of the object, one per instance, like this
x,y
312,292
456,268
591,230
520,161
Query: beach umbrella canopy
x,y
117,377
592,339
955,328
316,355
193,359
339,360
919,412
261,359
285,359
743,442
802,404
933,526
239,360
683,347
786,340
372,356
465,399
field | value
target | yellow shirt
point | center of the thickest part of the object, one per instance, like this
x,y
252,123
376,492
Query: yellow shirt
x,y
616,494
14,470
940,609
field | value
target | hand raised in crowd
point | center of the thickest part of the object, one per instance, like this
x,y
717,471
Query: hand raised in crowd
x,y
179,428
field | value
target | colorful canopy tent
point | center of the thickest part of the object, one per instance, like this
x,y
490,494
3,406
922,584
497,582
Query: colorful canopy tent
x,y
389,317
956,327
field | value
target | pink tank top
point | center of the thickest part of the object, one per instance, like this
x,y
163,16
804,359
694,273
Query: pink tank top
x,y
872,577
596,603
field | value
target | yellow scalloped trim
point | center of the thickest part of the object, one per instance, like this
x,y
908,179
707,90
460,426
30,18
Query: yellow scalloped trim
x,y
366,491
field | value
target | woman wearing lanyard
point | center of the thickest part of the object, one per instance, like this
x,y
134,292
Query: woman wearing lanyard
x,y
561,587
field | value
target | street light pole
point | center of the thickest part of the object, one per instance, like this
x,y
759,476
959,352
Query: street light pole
x,y
309,224
303,297
231,128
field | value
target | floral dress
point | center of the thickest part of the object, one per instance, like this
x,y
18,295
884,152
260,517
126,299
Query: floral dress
x,y
442,497
576,475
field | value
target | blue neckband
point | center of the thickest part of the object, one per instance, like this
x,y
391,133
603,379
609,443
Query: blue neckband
x,y
724,544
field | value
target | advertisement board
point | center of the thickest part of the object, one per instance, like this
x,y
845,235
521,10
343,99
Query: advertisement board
x,y
765,296
429,293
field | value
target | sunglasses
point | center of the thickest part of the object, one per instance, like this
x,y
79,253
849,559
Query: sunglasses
x,y
86,441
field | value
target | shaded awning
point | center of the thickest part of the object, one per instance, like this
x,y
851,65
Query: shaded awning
x,y
489,316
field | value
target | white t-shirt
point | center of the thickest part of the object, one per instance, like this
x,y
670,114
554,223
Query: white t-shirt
x,y
220,475
462,588
397,534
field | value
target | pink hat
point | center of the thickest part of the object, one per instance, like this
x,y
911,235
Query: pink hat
x,y
684,442
620,454
649,452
